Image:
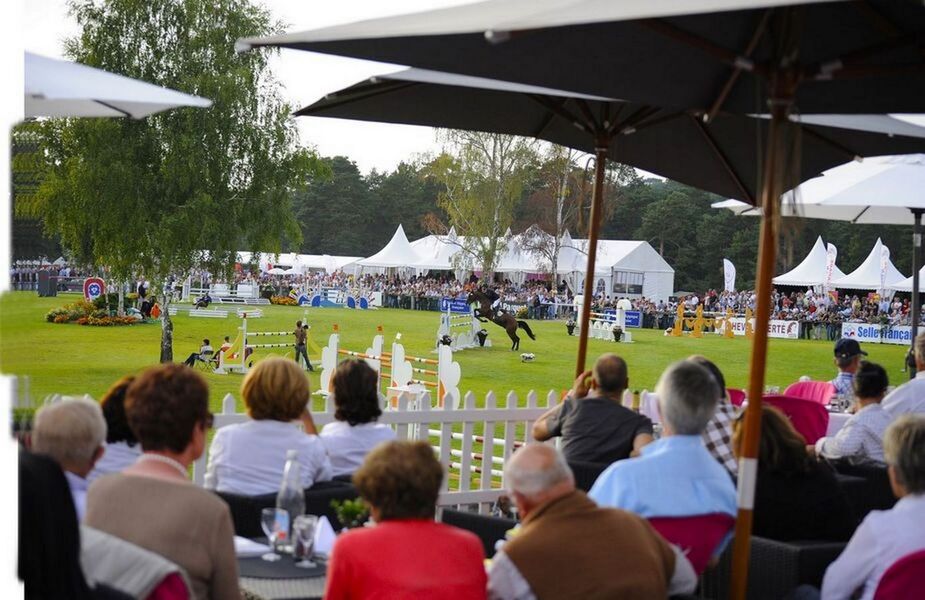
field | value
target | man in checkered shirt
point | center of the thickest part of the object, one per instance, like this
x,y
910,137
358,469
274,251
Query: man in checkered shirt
x,y
718,434
848,358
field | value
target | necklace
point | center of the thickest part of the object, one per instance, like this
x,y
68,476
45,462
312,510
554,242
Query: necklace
x,y
167,461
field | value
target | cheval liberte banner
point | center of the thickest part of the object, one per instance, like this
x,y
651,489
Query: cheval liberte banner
x,y
877,334
776,329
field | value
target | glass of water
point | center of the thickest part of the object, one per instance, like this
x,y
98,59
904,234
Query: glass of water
x,y
275,524
303,533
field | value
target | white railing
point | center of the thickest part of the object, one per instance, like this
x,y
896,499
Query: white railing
x,y
472,459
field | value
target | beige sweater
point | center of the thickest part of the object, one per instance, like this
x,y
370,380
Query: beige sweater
x,y
179,521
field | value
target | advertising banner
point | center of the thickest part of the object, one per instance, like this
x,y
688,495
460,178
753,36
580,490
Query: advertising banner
x,y
776,329
94,287
454,305
633,318
877,334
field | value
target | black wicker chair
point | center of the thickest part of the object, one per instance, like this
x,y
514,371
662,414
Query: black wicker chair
x,y
866,488
774,568
245,510
489,529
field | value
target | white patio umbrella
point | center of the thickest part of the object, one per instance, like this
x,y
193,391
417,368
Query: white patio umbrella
x,y
59,88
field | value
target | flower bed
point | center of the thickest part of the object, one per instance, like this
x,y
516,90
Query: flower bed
x,y
86,313
284,300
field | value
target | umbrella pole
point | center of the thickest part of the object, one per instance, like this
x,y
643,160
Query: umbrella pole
x,y
597,194
916,307
771,189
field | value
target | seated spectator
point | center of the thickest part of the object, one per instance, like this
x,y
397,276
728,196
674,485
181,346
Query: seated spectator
x,y
618,553
153,503
249,458
796,497
205,348
718,434
407,554
355,432
860,440
122,449
72,432
48,561
847,358
910,396
594,425
675,476
885,536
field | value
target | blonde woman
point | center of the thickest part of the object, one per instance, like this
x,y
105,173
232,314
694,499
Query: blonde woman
x,y
248,458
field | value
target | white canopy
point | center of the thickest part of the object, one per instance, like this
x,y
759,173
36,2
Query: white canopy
x,y
59,88
906,284
613,254
812,270
867,276
397,253
436,251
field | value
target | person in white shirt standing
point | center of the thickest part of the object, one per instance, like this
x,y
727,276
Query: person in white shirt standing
x,y
355,432
249,458
884,537
861,439
910,396
72,432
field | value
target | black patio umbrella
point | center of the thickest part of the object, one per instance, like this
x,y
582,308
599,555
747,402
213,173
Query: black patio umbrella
x,y
779,57
719,156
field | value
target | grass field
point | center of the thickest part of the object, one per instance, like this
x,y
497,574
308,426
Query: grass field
x,y
74,359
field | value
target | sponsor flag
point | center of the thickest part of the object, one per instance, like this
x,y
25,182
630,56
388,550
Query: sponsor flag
x,y
884,261
831,253
729,275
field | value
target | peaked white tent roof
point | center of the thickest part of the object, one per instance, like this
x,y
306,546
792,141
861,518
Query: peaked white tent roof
x,y
811,271
614,254
906,284
436,251
867,276
397,253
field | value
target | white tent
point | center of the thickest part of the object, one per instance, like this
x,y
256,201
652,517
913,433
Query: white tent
x,y
812,270
623,268
437,251
906,284
398,253
867,276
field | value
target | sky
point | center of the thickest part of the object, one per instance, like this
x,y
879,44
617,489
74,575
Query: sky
x,y
306,76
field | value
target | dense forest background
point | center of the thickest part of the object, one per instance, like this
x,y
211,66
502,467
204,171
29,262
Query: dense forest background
x,y
346,212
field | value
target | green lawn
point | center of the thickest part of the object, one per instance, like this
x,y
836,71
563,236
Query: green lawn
x,y
73,359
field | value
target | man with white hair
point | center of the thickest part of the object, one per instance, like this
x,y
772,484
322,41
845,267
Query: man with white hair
x,y
910,396
71,432
675,476
619,554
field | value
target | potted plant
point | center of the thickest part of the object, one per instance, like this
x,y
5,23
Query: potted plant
x,y
351,513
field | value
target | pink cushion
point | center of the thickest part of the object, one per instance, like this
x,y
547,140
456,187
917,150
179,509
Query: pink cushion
x,y
171,588
698,536
809,418
736,396
904,580
818,391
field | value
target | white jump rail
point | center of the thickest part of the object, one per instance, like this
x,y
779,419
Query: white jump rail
x,y
471,475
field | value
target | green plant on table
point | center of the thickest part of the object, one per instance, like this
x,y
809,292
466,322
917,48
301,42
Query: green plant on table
x,y
351,513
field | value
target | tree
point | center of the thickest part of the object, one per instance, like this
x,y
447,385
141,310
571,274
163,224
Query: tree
x,y
556,206
161,195
337,214
483,181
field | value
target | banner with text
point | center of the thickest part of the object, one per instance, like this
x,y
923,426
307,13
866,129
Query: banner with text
x,y
454,305
776,328
877,334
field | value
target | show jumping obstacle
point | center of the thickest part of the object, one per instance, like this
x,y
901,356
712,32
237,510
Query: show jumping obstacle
x,y
467,329
237,358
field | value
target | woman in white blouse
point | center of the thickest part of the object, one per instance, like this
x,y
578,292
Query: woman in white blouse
x,y
248,458
122,447
355,432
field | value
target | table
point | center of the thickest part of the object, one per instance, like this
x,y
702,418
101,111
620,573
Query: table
x,y
281,587
837,420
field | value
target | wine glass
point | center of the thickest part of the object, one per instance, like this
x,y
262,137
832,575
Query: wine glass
x,y
275,524
303,530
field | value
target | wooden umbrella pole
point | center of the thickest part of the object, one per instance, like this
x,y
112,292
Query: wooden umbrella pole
x,y
600,156
772,187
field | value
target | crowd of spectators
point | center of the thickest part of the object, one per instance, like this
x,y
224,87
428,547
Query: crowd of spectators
x,y
627,532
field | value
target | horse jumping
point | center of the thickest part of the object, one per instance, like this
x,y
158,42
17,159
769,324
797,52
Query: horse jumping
x,y
504,320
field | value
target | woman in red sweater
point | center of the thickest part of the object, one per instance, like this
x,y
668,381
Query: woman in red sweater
x,y
406,554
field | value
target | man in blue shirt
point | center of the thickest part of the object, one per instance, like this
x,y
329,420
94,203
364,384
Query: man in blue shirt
x,y
675,476
848,358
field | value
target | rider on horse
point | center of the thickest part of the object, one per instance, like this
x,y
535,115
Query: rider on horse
x,y
493,296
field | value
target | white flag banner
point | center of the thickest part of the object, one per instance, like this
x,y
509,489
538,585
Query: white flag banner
x,y
831,253
729,275
884,261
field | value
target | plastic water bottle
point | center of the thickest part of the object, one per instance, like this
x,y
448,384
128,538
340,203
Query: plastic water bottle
x,y
291,496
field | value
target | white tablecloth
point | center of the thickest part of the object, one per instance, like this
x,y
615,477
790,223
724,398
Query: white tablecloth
x,y
836,422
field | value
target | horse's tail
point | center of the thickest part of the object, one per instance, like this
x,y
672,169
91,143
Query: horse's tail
x,y
523,325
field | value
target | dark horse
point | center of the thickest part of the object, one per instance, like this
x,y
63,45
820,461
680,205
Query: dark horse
x,y
507,322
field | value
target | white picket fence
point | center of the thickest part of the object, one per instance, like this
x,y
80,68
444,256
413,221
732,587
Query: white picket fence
x,y
472,461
